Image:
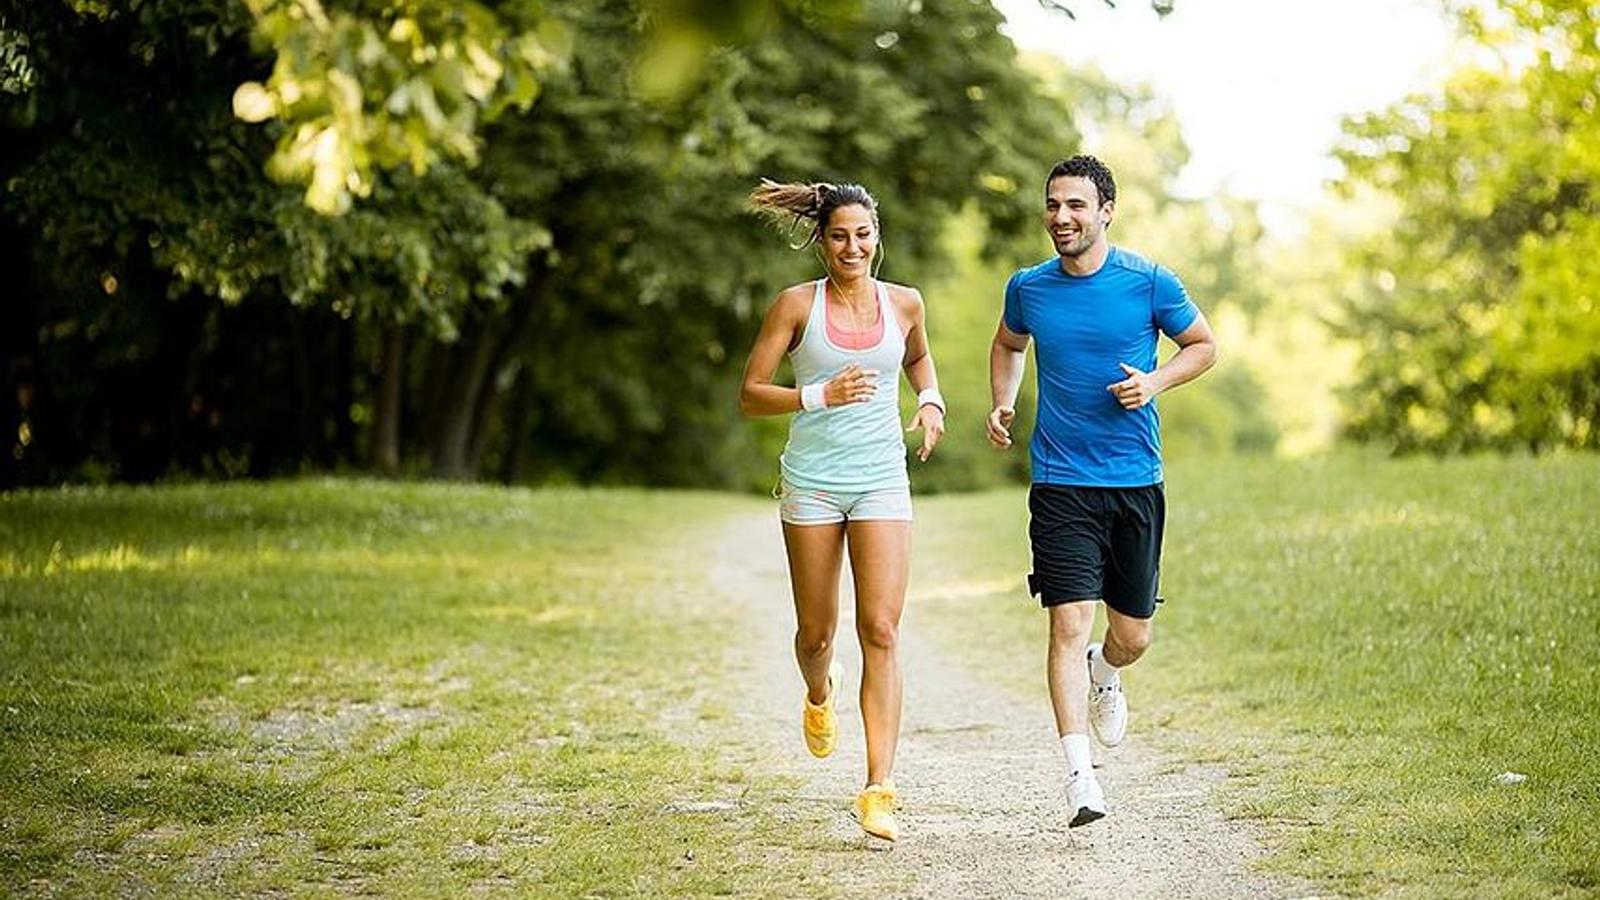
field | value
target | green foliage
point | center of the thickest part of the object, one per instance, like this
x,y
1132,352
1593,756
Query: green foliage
x,y
655,253
423,249
574,306
120,191
374,84
182,312
963,309
683,35
1477,328
16,71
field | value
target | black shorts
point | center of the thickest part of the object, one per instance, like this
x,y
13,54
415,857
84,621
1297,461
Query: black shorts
x,y
1094,543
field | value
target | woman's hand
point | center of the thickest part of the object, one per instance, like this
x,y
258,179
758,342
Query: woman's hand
x,y
853,385
930,419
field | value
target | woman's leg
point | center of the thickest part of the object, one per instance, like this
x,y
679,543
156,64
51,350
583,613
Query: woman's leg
x,y
815,555
880,555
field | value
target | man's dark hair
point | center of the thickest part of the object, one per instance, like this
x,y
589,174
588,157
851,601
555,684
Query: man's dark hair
x,y
1086,167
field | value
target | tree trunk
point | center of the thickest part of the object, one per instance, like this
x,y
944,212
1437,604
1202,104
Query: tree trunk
x,y
302,404
25,433
483,415
513,458
385,456
506,367
460,403
435,392
343,375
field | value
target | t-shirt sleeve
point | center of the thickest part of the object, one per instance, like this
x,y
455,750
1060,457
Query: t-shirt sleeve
x,y
1012,316
1173,308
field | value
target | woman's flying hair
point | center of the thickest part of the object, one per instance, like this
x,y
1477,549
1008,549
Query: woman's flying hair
x,y
789,204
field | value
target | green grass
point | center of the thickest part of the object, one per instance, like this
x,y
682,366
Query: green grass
x,y
336,687
1367,644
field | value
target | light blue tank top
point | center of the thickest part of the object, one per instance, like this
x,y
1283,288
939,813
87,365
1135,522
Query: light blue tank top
x,y
858,446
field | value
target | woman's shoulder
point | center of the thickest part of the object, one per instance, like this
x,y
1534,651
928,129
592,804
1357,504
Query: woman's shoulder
x,y
795,298
801,291
906,298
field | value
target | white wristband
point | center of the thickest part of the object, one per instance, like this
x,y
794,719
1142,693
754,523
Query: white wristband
x,y
930,397
812,398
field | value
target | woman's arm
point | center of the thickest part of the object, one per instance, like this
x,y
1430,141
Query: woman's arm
x,y
920,371
758,396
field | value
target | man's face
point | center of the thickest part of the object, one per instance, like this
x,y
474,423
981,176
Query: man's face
x,y
1074,215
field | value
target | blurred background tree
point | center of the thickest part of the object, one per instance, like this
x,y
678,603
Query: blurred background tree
x,y
574,305
182,312
508,239
1478,322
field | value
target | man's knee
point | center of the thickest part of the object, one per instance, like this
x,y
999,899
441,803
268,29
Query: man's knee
x,y
1071,623
1127,640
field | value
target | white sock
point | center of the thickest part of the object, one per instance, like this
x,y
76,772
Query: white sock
x,y
1100,671
1076,746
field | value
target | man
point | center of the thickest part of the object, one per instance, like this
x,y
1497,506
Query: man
x,y
1097,506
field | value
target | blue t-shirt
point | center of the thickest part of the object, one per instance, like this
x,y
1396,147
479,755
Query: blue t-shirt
x,y
1082,327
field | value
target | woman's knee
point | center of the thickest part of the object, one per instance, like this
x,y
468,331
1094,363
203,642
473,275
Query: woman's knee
x,y
878,633
813,641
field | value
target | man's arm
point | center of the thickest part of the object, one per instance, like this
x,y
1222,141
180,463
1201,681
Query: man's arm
x,y
1007,362
1197,352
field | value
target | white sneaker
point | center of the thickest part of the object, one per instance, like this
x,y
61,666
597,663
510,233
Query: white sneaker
x,y
1108,710
1085,799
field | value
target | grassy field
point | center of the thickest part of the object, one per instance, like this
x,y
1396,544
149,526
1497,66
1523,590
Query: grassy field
x,y
337,687
1369,643
333,687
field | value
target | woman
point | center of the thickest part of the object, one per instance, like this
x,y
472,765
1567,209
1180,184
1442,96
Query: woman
x,y
844,480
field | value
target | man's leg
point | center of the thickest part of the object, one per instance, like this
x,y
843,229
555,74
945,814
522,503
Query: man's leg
x,y
1067,529
1125,641
1070,624
1132,571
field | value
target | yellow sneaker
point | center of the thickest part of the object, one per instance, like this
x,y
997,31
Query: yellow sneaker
x,y
821,725
875,808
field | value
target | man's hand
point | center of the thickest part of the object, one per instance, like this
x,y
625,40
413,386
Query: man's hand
x,y
1136,390
930,419
999,426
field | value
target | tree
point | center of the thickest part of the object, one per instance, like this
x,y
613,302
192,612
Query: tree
x,y
655,250
374,84
139,187
1478,327
576,305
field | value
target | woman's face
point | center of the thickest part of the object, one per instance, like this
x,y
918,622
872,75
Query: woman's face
x,y
850,241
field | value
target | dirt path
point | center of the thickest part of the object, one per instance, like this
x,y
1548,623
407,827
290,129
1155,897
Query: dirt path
x,y
979,772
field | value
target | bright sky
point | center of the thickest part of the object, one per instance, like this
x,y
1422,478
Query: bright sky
x,y
1259,86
